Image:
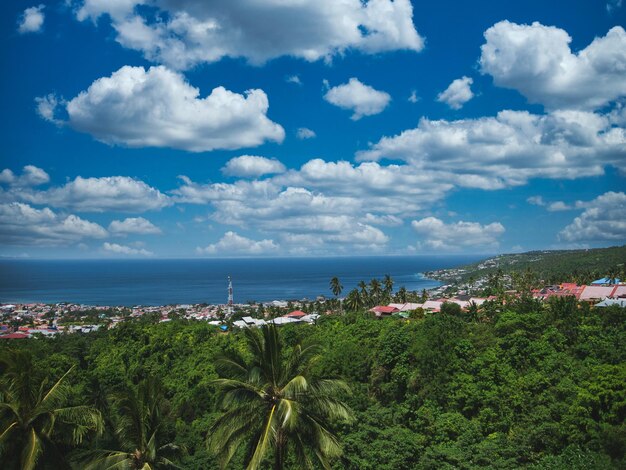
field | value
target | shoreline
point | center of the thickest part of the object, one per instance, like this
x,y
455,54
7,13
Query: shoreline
x,y
319,297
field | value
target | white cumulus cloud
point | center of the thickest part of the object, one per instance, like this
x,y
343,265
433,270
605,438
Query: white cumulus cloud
x,y
109,193
603,219
304,133
536,201
32,20
295,79
159,108
458,93
233,244
47,107
362,99
252,166
558,206
125,250
612,5
31,176
184,33
510,148
537,61
438,235
133,225
22,224
413,98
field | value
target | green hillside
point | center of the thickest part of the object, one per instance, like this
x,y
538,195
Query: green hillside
x,y
582,266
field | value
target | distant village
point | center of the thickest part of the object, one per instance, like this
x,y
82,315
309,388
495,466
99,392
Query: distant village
x,y
21,321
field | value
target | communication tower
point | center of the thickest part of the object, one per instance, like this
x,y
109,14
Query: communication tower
x,y
229,310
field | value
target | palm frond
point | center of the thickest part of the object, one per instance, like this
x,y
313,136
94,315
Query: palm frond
x,y
268,435
298,385
32,451
272,400
57,393
6,434
229,431
105,460
232,365
83,419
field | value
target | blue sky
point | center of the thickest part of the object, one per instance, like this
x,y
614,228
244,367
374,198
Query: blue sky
x,y
158,128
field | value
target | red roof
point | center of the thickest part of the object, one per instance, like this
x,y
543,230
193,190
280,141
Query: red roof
x,y
14,336
384,309
296,314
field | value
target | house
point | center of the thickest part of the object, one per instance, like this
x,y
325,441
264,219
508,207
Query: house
x,y
311,318
619,291
594,293
383,310
284,320
407,307
296,314
15,336
611,302
605,281
432,305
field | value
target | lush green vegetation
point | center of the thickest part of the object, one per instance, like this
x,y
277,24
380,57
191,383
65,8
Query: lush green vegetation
x,y
581,266
524,385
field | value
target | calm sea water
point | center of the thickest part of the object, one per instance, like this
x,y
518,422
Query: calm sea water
x,y
162,282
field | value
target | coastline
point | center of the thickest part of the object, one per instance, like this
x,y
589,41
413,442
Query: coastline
x,y
175,282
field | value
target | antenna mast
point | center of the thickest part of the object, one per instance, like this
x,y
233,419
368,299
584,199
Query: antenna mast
x,y
229,310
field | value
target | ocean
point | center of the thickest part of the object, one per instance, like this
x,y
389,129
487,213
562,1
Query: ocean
x,y
188,281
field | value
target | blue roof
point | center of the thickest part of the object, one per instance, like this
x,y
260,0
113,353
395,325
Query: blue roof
x,y
606,280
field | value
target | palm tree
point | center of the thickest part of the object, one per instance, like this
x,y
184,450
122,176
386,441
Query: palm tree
x,y
473,311
613,276
272,401
375,290
35,418
387,285
402,295
138,421
336,288
365,295
353,301
471,281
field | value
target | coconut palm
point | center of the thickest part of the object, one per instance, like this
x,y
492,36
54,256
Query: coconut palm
x,y
387,285
353,301
336,288
138,421
375,290
402,295
613,276
473,311
35,419
272,403
365,295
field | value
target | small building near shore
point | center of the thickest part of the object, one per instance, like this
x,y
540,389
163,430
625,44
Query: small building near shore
x,y
406,307
383,311
15,336
296,314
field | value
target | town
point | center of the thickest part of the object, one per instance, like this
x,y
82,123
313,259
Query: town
x,y
26,320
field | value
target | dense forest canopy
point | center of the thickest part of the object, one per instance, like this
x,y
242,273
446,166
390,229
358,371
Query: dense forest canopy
x,y
528,385
554,266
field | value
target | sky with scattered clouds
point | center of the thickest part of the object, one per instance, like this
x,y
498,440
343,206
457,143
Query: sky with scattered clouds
x,y
158,128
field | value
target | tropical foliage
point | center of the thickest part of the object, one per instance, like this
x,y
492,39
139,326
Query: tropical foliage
x,y
272,402
36,420
507,385
137,414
